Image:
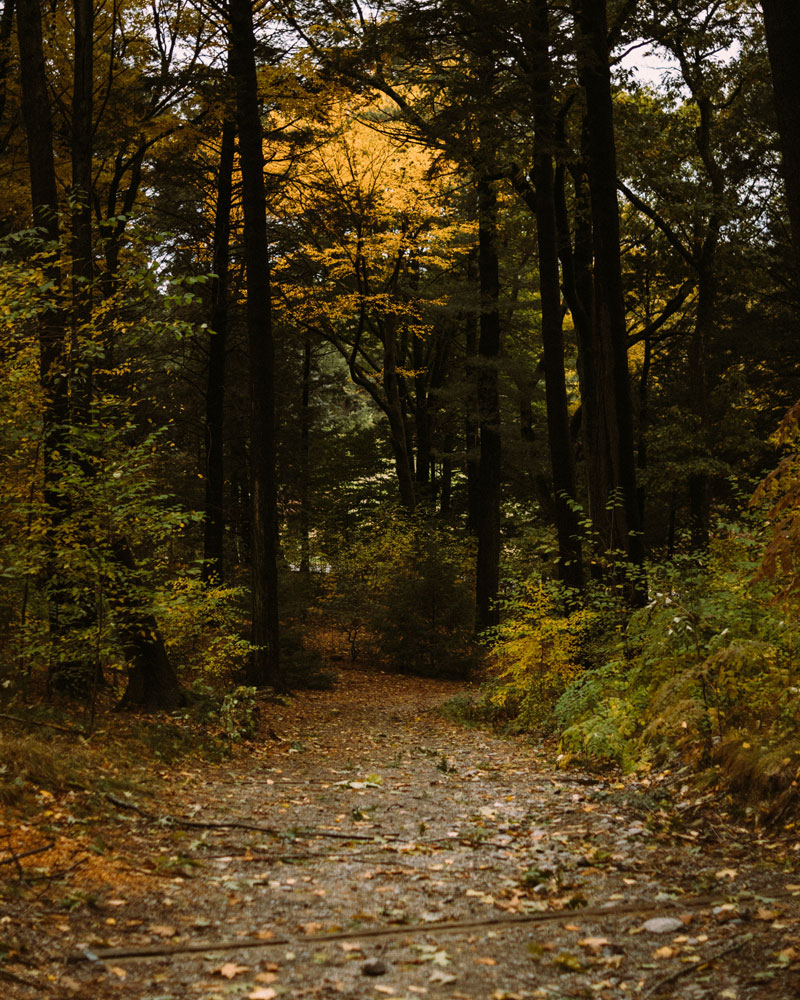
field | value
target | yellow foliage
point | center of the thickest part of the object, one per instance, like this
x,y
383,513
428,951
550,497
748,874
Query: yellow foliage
x,y
537,654
779,493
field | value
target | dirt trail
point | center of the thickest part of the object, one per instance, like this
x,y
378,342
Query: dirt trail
x,y
555,875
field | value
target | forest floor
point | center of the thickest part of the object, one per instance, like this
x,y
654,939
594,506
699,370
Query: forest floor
x,y
369,848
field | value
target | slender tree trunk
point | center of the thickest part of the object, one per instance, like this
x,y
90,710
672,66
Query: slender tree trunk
x,y
471,418
576,266
305,463
398,425
81,142
561,457
615,409
446,494
644,422
214,525
422,421
265,663
699,481
152,681
782,24
53,362
488,486
6,26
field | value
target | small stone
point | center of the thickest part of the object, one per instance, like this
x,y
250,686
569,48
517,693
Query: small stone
x,y
663,925
374,967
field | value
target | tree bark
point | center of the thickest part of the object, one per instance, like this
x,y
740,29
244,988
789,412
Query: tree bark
x,y
152,681
398,425
471,420
488,486
615,410
265,663
782,25
214,524
560,445
305,463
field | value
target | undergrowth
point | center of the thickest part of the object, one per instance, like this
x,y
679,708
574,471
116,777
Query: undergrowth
x,y
707,671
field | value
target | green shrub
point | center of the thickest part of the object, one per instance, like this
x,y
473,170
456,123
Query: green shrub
x,y
404,590
239,714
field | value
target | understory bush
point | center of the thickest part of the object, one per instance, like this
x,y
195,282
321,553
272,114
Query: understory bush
x,y
403,591
536,653
708,670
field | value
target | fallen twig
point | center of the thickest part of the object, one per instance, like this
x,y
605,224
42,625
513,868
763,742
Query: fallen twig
x,y
14,859
44,725
579,913
686,970
5,974
54,876
231,824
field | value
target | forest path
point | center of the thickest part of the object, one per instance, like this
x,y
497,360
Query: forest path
x,y
555,874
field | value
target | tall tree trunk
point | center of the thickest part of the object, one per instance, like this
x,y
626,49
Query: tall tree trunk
x,y
422,423
488,487
782,24
152,681
265,663
394,409
6,26
214,525
53,366
305,463
576,266
446,494
705,256
471,419
561,457
615,407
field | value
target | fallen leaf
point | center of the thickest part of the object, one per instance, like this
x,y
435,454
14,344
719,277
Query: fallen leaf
x,y
443,978
312,928
593,943
118,972
568,961
262,993
164,930
723,873
665,952
265,977
231,969
485,961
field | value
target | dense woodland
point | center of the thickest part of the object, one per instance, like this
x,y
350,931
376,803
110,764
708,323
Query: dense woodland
x,y
462,334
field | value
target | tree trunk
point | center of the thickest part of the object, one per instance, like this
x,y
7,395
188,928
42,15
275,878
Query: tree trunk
x,y
615,408
561,459
782,24
52,327
152,681
488,486
265,663
398,426
305,463
471,422
6,26
576,266
422,421
214,524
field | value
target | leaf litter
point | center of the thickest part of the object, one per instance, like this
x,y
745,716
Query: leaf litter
x,y
516,879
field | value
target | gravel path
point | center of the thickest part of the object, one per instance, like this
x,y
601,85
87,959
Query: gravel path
x,y
402,856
